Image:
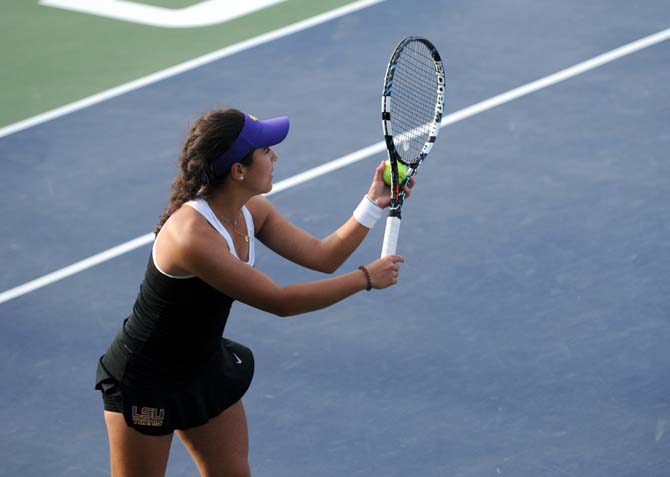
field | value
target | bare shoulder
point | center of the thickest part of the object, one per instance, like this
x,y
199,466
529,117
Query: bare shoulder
x,y
186,228
185,235
261,209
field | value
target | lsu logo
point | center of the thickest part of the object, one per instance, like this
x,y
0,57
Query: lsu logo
x,y
148,416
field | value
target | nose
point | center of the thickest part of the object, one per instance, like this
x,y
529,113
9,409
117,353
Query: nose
x,y
274,157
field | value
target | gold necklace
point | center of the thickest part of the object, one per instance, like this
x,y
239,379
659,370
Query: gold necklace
x,y
235,222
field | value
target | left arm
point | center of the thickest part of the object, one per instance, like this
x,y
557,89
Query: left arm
x,y
299,246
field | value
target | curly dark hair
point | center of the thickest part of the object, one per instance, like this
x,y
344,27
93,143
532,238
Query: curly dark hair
x,y
210,136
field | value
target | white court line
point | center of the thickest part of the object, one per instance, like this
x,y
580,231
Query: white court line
x,y
200,14
183,67
357,156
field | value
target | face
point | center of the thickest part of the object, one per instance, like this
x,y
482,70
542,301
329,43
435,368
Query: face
x,y
259,174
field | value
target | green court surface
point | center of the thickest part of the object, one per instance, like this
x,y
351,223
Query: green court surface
x,y
52,57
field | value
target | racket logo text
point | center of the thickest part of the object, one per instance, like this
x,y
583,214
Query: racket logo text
x,y
439,69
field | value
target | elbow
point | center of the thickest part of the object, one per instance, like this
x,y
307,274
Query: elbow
x,y
284,314
323,267
284,311
328,265
329,268
290,301
326,259
276,299
281,306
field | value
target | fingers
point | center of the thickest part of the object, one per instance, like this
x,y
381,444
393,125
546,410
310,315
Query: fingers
x,y
409,186
379,192
395,258
379,175
385,271
395,269
379,172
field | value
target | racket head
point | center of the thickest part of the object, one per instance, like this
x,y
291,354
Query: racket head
x,y
412,108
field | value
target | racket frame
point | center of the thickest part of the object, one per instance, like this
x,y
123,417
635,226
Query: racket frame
x,y
397,188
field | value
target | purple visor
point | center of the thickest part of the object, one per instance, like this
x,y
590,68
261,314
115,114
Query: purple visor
x,y
255,134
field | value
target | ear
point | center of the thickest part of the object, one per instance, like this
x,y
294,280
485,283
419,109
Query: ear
x,y
237,171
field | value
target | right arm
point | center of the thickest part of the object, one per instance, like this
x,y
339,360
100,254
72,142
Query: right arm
x,y
188,244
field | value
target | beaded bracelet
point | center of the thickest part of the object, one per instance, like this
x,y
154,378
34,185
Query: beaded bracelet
x,y
367,277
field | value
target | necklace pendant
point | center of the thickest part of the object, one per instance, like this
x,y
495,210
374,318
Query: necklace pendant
x,y
246,237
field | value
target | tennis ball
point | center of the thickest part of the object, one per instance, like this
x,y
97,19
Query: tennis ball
x,y
402,172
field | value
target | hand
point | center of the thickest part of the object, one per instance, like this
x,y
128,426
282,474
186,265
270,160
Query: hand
x,y
380,193
384,272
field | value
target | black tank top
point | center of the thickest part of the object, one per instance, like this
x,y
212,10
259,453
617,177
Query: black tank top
x,y
176,325
174,328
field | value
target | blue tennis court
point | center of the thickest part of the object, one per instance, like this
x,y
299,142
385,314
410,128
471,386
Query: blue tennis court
x,y
529,333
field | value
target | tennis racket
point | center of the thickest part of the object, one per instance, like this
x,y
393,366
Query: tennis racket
x,y
412,107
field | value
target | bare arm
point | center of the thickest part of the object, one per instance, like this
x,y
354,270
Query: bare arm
x,y
187,243
303,248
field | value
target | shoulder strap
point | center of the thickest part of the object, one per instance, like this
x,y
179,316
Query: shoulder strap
x,y
206,211
251,231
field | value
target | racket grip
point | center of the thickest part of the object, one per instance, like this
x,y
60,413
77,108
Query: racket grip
x,y
391,236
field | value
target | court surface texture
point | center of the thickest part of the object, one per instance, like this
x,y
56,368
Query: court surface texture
x,y
529,333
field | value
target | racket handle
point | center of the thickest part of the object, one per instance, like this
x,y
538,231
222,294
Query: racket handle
x,y
391,236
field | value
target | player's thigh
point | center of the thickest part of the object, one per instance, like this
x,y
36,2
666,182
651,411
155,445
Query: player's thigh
x,y
132,453
220,447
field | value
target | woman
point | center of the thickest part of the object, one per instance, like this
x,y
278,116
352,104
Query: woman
x,y
169,369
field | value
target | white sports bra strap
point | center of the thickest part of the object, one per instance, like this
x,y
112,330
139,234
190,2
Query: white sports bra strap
x,y
206,211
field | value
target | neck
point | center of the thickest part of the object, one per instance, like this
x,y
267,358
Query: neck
x,y
228,201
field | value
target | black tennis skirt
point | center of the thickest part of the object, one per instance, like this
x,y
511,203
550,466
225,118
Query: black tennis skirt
x,y
158,408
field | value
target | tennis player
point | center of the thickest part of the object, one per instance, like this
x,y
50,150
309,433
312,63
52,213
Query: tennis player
x,y
169,369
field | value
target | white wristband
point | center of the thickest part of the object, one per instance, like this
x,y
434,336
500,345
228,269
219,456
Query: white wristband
x,y
368,213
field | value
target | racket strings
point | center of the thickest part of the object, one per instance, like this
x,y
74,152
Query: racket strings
x,y
414,95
